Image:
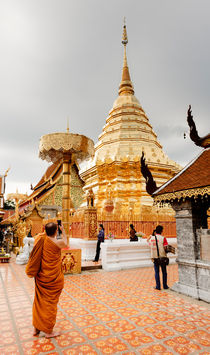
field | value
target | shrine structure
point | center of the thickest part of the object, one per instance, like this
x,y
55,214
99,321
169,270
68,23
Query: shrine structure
x,y
114,174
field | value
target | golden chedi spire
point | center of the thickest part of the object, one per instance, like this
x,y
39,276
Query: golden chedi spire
x,y
126,86
67,129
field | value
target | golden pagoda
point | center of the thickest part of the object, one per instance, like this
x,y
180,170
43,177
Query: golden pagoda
x,y
114,172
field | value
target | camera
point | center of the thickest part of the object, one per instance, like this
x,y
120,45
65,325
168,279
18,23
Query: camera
x,y
59,229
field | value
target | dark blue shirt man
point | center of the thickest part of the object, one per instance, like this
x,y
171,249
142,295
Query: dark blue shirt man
x,y
100,240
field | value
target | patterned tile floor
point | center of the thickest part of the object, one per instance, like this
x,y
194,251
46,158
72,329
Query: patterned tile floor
x,y
104,313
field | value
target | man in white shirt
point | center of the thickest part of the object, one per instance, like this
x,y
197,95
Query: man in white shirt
x,y
162,243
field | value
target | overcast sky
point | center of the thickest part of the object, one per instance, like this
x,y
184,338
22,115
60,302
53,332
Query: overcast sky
x,y
63,58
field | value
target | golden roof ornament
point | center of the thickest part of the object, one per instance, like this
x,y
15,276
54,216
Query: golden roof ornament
x,y
67,129
126,86
124,37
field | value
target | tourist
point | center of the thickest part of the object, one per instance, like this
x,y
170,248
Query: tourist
x,y
1,237
45,265
100,240
162,243
133,236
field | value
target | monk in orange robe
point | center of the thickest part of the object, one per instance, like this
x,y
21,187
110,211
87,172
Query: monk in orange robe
x,y
45,266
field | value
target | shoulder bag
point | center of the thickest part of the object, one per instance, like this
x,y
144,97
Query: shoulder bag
x,y
160,260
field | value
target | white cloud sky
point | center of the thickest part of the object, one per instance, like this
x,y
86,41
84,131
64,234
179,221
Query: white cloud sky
x,y
63,58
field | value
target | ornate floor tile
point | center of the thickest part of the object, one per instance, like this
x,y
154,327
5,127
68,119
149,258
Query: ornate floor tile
x,y
60,315
143,320
97,308
137,338
88,301
155,350
201,336
75,312
64,325
3,308
85,321
10,350
37,346
84,349
7,338
107,316
69,338
6,326
26,333
180,325
169,324
159,331
128,311
68,304
24,322
4,316
161,316
111,346
18,313
96,332
121,325
115,304
146,308
182,345
134,300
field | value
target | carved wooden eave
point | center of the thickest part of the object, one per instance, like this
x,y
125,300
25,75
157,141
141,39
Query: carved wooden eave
x,y
192,182
29,210
179,196
44,188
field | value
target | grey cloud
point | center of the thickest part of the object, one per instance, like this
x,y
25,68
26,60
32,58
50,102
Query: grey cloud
x,y
64,58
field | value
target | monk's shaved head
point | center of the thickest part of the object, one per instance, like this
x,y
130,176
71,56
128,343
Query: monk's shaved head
x,y
51,229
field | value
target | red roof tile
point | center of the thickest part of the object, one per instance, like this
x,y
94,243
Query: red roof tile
x,y
196,174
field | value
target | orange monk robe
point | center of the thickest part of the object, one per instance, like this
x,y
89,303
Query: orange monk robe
x,y
48,286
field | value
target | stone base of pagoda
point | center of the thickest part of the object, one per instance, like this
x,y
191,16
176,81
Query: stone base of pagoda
x,y
123,254
88,247
119,254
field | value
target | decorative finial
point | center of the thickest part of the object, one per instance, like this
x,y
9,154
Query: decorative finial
x,y
126,86
125,37
67,129
6,173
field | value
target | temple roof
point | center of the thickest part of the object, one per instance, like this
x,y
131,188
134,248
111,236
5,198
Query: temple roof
x,y
46,183
192,180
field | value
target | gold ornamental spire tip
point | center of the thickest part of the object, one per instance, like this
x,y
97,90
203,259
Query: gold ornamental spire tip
x,y
124,37
126,86
67,129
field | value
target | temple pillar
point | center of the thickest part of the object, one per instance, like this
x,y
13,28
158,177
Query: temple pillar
x,y
66,197
190,217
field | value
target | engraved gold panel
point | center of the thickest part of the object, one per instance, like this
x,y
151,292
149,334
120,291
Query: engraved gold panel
x,y
71,261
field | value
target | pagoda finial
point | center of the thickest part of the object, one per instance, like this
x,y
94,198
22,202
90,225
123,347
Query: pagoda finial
x,y
125,37
126,86
67,129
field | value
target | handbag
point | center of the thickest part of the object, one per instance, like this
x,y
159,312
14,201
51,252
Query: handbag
x,y
170,249
164,260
